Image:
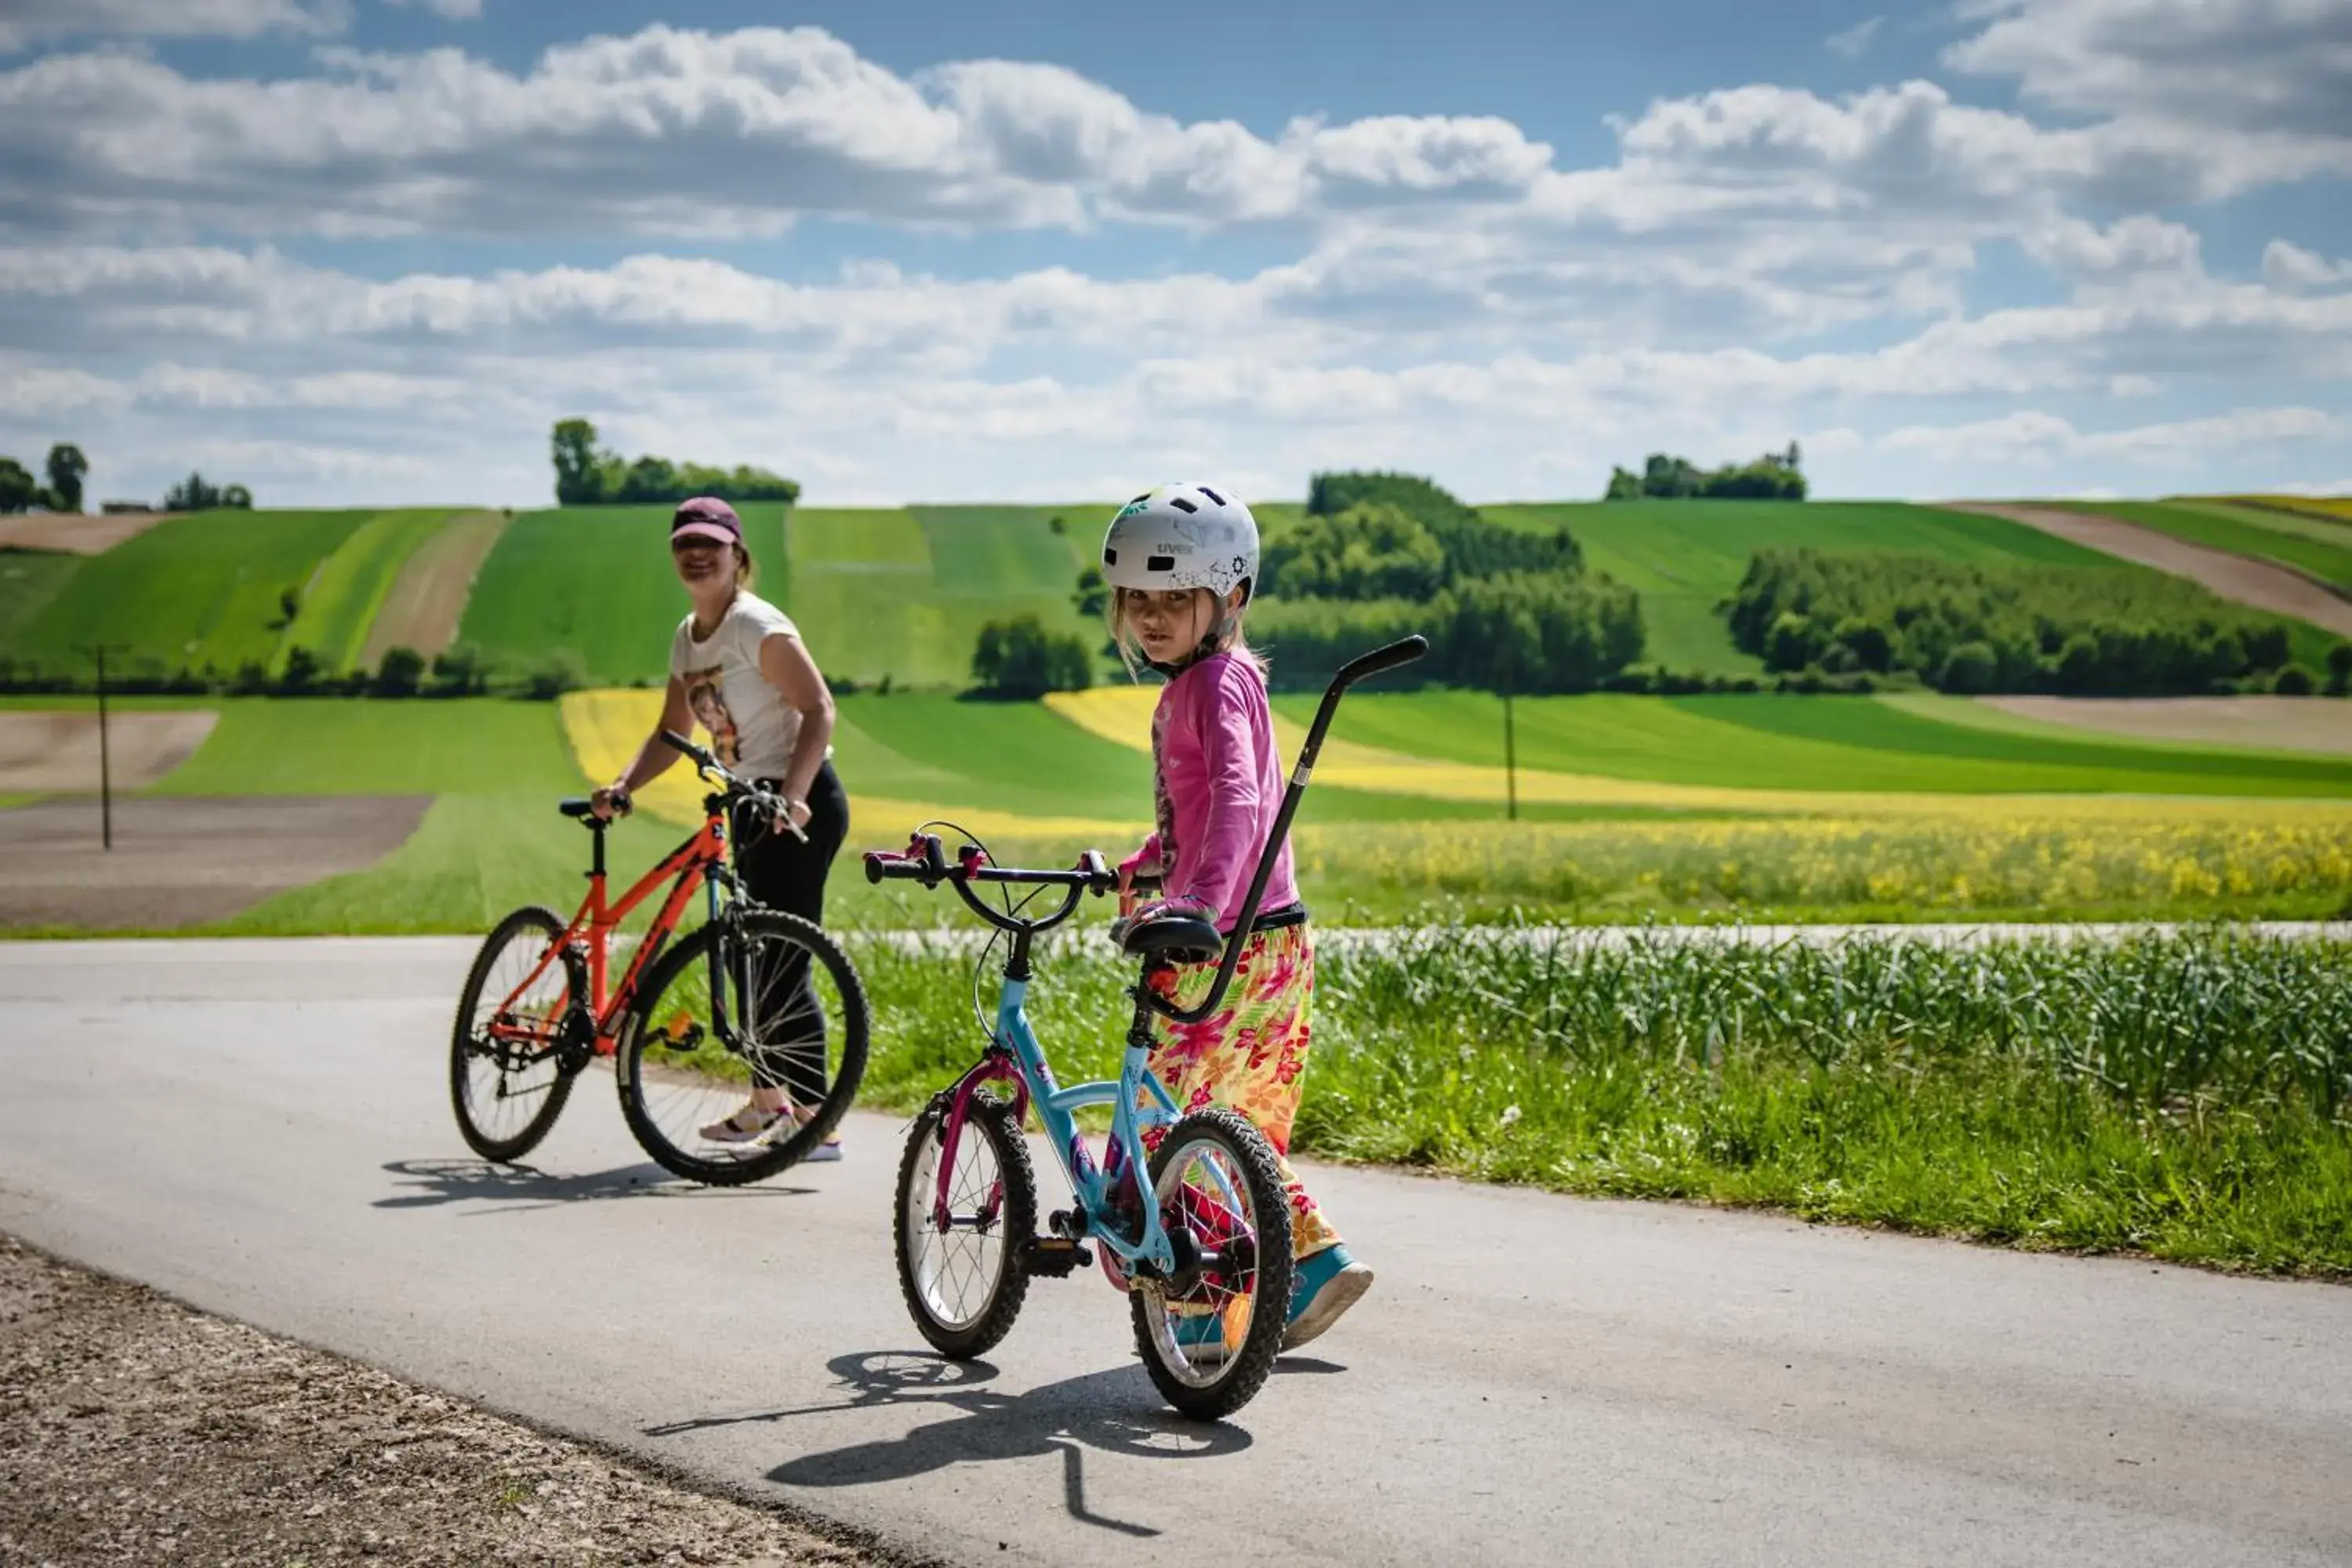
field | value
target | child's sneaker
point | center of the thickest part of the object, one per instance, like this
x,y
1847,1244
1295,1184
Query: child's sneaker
x,y
1325,1284
824,1154
749,1123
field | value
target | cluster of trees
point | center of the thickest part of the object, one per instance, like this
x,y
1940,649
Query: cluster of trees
x,y
588,474
20,491
1381,554
1023,658
196,493
1772,476
1971,629
461,670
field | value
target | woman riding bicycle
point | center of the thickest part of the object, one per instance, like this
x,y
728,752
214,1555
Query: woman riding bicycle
x,y
738,668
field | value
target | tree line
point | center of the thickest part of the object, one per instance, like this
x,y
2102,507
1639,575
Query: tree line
x,y
66,467
589,475
20,491
1976,629
1775,476
460,670
1376,556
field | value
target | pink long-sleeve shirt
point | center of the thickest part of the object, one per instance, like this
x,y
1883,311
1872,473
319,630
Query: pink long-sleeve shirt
x,y
1218,790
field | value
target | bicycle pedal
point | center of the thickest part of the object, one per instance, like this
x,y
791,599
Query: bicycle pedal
x,y
1055,1255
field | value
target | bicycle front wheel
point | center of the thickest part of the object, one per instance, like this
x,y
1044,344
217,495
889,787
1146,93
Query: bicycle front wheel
x,y
762,999
507,1081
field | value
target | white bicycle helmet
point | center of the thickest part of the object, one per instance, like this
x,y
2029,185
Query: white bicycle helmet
x,y
1182,536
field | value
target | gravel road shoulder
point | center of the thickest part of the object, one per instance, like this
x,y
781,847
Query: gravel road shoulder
x,y
136,1430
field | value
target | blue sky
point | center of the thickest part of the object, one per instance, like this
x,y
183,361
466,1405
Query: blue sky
x,y
367,250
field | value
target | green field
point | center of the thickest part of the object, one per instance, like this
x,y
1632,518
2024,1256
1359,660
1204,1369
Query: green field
x,y
1686,556
902,594
482,745
191,593
29,579
2181,1097
351,585
598,581
2322,549
1826,744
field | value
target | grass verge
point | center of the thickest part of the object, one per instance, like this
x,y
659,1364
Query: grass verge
x,y
2182,1097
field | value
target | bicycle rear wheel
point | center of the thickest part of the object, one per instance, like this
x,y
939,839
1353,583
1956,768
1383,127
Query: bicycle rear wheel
x,y
793,1015
508,1080
1209,1335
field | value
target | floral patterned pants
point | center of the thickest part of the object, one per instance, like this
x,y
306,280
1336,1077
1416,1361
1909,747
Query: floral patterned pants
x,y
1251,1054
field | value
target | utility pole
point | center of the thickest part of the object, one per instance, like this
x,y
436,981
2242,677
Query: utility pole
x,y
105,756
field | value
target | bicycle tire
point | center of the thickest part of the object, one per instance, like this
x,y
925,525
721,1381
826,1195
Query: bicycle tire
x,y
992,1120
1241,1374
755,1162
465,1051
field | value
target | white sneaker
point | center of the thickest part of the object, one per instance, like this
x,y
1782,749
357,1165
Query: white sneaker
x,y
748,1124
825,1153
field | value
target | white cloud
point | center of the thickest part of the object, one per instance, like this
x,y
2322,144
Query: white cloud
x,y
1852,42
2033,438
2258,66
2290,265
454,10
24,22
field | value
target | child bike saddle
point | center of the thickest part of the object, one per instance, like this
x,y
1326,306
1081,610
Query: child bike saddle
x,y
1176,938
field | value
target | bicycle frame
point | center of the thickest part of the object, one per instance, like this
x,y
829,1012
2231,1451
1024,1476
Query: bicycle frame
x,y
698,864
1136,1097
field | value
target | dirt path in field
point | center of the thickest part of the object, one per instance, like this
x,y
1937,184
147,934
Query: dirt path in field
x,y
78,533
45,751
429,595
2248,582
135,1430
2280,723
183,861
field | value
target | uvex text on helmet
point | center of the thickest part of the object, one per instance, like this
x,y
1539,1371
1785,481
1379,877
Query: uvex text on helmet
x,y
1182,536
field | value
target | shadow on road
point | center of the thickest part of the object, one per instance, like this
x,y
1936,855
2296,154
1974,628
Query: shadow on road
x,y
427,1183
1117,1411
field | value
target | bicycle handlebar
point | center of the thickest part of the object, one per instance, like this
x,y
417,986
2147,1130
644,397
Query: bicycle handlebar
x,y
736,787
925,861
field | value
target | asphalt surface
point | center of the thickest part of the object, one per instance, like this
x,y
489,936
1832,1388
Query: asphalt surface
x,y
261,1128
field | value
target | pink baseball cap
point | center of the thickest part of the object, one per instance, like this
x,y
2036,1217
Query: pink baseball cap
x,y
706,517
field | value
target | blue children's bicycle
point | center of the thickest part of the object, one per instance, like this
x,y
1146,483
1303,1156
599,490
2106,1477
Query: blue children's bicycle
x,y
1207,1263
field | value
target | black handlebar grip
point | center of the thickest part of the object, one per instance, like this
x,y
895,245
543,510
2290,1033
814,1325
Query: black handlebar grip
x,y
1404,650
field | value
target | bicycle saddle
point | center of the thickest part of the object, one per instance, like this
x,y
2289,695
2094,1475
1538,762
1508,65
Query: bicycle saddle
x,y
1179,939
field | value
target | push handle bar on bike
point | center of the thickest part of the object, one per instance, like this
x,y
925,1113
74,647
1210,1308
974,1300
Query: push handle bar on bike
x,y
1404,651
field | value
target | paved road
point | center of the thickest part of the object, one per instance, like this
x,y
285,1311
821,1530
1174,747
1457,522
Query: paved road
x,y
259,1127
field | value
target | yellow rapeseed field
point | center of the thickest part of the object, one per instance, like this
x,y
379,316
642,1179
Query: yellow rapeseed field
x,y
606,728
2335,509
2150,854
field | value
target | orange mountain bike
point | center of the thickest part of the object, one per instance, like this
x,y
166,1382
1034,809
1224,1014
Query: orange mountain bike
x,y
752,995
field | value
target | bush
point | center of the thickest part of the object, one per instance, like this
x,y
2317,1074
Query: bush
x,y
1372,550
195,493
1970,669
2339,668
2121,631
2296,680
1021,658
401,673
302,673
1473,546
1527,634
560,671
460,670
1772,476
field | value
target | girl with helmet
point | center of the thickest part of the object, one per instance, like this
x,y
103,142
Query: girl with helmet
x,y
1180,562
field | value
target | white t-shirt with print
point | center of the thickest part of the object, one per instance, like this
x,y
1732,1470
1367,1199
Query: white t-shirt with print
x,y
751,728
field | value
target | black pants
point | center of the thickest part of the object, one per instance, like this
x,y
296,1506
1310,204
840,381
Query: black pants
x,y
783,873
